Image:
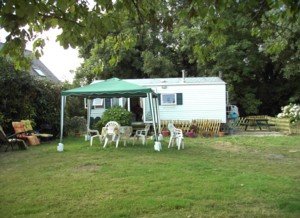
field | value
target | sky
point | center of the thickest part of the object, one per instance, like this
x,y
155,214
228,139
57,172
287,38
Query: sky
x,y
57,59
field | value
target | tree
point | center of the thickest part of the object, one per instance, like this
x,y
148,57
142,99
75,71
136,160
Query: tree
x,y
240,40
81,21
255,44
138,48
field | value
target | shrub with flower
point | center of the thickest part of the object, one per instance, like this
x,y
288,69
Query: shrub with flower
x,y
291,111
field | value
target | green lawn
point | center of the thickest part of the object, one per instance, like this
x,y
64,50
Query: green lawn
x,y
220,177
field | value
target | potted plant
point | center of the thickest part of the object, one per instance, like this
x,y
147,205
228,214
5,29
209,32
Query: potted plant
x,y
223,129
192,131
221,134
165,132
77,125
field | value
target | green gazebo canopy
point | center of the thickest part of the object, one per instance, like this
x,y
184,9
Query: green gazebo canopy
x,y
110,88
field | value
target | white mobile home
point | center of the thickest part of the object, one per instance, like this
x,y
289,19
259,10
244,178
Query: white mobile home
x,y
179,99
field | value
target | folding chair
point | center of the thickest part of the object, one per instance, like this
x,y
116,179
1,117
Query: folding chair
x,y
21,133
28,128
11,140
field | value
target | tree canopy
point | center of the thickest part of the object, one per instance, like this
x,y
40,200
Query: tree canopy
x,y
254,44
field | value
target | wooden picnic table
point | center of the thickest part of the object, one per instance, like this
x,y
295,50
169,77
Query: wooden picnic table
x,y
256,122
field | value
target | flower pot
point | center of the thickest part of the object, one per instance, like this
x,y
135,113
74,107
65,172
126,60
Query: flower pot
x,y
190,134
221,134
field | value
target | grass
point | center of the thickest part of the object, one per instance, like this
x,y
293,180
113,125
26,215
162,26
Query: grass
x,y
220,177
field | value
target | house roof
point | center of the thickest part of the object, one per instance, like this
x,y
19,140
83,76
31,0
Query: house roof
x,y
38,66
113,87
38,69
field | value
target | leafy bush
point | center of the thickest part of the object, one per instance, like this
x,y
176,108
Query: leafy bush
x,y
75,105
77,124
291,111
47,105
118,114
25,97
93,122
99,125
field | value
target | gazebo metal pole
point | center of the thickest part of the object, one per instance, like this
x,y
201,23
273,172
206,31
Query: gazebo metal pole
x,y
150,107
152,113
158,117
62,108
155,112
128,104
88,121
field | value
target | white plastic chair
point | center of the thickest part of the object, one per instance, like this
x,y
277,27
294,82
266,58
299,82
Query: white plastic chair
x,y
175,135
96,134
142,134
112,132
125,133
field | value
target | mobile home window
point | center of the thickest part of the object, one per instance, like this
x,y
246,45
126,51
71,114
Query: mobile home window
x,y
98,102
168,99
110,102
115,102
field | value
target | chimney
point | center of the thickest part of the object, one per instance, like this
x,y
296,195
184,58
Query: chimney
x,y
220,74
183,76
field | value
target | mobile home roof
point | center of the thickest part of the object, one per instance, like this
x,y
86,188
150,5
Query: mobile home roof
x,y
176,81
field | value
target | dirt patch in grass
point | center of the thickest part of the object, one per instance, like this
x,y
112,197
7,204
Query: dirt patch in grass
x,y
275,156
226,146
87,167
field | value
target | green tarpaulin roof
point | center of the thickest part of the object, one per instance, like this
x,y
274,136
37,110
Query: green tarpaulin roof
x,y
110,88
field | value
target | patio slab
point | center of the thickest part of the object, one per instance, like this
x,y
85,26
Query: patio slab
x,y
258,133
